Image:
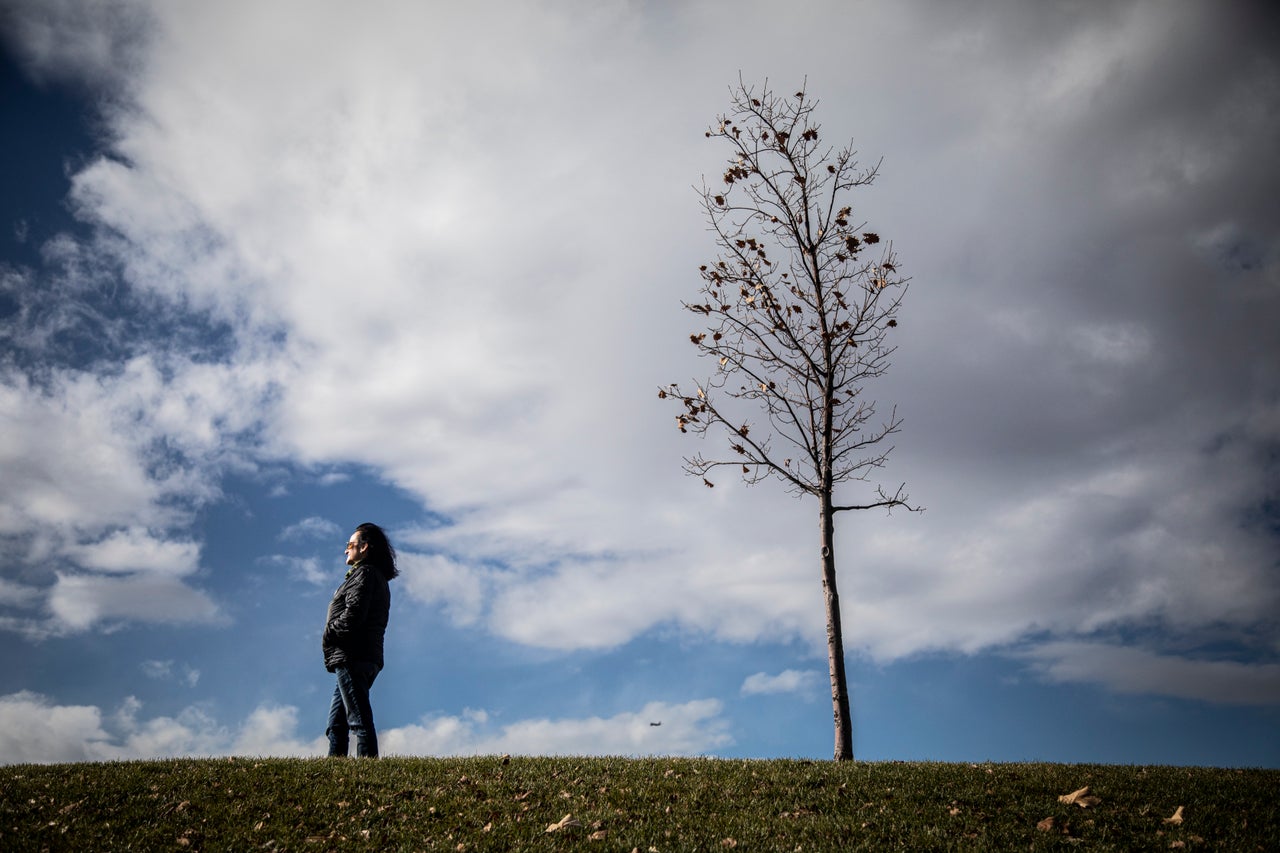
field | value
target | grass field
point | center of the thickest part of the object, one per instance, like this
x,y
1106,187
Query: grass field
x,y
646,805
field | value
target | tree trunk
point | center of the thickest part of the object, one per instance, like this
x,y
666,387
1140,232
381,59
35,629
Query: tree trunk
x,y
835,638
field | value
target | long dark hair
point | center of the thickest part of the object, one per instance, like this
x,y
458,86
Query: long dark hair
x,y
381,553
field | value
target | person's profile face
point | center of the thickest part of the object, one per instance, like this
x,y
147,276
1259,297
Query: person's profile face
x,y
356,547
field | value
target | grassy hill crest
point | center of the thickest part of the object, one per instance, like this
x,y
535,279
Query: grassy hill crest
x,y
646,805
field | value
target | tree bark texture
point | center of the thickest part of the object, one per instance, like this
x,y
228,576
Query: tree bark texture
x,y
835,640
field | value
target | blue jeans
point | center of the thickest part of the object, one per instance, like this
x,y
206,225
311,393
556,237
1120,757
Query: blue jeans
x,y
350,711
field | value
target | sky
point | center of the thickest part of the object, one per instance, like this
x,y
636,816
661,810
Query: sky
x,y
268,271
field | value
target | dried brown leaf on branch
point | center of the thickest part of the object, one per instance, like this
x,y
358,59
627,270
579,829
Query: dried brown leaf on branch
x,y
791,310
1081,798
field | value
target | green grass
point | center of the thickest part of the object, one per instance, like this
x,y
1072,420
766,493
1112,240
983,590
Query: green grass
x,y
660,805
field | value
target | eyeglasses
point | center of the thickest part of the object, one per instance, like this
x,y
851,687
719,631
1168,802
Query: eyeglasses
x,y
351,545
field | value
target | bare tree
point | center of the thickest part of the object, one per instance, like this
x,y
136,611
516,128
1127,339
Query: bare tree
x,y
799,306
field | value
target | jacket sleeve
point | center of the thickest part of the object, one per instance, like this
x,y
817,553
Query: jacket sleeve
x,y
352,616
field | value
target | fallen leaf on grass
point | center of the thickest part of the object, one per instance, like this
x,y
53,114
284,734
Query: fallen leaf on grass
x,y
1081,798
1052,824
563,823
598,835
1177,817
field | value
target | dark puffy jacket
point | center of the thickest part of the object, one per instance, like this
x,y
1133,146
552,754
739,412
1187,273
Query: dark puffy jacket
x,y
357,619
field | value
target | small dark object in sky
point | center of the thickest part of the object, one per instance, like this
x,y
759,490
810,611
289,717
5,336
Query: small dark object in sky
x,y
656,724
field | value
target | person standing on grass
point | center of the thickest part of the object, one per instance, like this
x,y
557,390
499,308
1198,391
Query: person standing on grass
x,y
352,641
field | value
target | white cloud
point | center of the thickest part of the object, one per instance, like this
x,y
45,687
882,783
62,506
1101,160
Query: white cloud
x,y
436,579
595,601
165,670
306,568
787,681
135,550
691,728
81,602
72,462
1082,422
309,568
18,595
193,732
272,730
1130,669
34,729
312,527
69,40
1159,520
102,473
159,669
